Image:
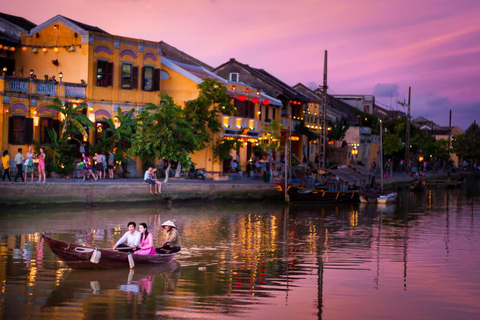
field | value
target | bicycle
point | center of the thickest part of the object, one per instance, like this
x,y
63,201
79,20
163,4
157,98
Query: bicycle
x,y
80,174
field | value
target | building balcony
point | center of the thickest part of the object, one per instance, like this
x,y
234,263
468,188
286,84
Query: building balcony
x,y
41,87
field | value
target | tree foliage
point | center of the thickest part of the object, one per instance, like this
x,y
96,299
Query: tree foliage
x,y
338,131
74,123
167,133
467,145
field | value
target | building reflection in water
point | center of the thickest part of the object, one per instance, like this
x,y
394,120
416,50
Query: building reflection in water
x,y
251,254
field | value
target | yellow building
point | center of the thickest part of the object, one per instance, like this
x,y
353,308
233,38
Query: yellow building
x,y
255,109
80,64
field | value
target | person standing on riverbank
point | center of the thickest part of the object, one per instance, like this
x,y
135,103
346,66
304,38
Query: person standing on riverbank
x,y
29,164
19,160
111,163
41,165
6,166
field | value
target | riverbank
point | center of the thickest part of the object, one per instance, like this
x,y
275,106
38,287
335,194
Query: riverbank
x,y
63,191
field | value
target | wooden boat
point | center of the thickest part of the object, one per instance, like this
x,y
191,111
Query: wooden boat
x,y
339,183
388,198
298,194
79,256
368,196
418,185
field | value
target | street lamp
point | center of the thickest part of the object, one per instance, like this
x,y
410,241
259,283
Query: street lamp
x,y
60,75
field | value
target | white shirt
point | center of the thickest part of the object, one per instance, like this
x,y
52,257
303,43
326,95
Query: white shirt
x,y
147,175
132,239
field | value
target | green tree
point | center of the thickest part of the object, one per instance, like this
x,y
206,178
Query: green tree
x,y
118,136
204,112
467,145
74,123
338,131
166,133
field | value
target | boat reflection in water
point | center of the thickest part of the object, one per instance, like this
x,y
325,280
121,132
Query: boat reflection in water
x,y
96,285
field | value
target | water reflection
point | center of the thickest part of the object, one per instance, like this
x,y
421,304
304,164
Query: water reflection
x,y
257,261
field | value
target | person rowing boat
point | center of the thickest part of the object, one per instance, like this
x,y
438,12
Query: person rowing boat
x,y
172,243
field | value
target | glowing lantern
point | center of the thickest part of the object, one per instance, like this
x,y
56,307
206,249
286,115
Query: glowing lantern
x,y
24,48
242,98
55,49
255,100
266,102
12,49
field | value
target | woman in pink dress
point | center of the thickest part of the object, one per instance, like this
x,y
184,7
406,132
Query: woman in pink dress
x,y
41,166
146,241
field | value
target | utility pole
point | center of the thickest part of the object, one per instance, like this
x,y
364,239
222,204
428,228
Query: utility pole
x,y
449,133
324,113
407,134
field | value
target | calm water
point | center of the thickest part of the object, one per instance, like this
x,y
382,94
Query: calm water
x,y
418,259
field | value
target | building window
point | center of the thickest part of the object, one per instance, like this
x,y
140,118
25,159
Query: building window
x,y
164,75
104,73
234,77
147,79
274,113
126,81
20,130
45,125
245,109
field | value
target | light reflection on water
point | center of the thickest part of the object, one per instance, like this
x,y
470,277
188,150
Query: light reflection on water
x,y
416,259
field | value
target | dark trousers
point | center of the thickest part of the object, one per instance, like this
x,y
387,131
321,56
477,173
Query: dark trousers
x,y
167,249
122,246
6,173
19,172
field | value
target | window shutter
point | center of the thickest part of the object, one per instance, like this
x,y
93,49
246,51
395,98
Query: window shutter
x,y
109,74
10,130
143,78
156,79
28,130
134,84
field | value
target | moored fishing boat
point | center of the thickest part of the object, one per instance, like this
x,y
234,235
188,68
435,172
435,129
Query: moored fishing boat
x,y
337,184
387,198
80,257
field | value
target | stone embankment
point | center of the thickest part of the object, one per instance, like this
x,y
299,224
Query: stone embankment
x,y
63,191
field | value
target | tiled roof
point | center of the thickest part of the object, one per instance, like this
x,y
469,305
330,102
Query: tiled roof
x,y
283,89
19,21
86,26
174,54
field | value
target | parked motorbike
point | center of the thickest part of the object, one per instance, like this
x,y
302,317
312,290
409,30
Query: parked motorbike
x,y
196,173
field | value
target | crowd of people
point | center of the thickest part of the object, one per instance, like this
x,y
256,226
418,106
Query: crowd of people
x,y
141,241
24,165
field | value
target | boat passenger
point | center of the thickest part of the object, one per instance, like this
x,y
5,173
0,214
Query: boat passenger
x,y
131,237
172,243
146,241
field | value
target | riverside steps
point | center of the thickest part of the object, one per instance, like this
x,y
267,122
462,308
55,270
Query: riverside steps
x,y
64,191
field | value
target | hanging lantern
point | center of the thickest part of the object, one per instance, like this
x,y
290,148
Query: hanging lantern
x,y
266,102
12,49
242,98
55,49
44,49
255,100
24,48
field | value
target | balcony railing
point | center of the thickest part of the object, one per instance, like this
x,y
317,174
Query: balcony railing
x,y
45,87
41,87
75,90
16,85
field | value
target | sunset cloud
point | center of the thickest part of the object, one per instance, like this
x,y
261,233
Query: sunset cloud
x,y
432,46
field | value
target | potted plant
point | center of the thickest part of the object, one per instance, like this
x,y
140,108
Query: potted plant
x,y
46,77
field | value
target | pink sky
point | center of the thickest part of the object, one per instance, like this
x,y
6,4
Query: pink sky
x,y
431,45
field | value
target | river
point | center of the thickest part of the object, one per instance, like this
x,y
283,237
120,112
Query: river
x,y
417,259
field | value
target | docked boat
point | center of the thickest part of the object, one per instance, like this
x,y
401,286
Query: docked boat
x,y
337,184
80,257
369,196
388,198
